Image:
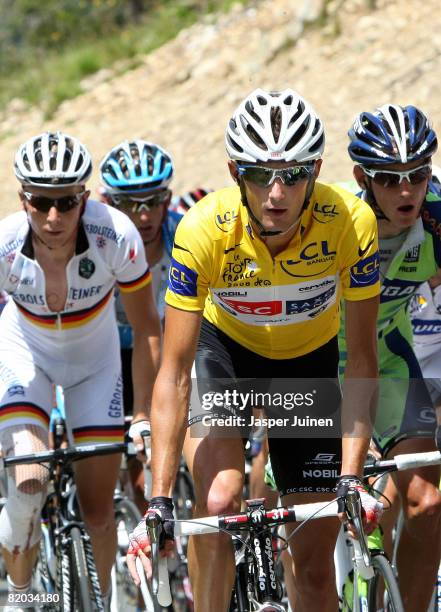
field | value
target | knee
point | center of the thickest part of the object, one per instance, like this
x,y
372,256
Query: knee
x,y
32,486
222,500
20,519
426,505
99,520
314,576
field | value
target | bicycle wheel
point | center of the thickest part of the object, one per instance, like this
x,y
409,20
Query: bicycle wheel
x,y
183,500
383,591
239,598
183,495
64,576
80,574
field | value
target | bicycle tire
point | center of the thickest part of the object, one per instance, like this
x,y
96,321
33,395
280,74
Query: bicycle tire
x,y
80,572
384,575
180,586
239,598
64,577
183,495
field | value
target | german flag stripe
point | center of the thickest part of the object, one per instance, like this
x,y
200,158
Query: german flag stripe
x,y
99,434
23,410
68,320
80,317
48,321
136,284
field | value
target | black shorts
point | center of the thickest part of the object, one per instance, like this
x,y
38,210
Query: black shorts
x,y
304,462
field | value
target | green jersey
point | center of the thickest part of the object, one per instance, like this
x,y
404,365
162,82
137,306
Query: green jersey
x,y
404,407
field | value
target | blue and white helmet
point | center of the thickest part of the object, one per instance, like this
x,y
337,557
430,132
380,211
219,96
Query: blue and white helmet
x,y
391,134
134,166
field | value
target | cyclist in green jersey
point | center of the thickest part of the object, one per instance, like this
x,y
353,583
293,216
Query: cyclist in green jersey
x,y
392,148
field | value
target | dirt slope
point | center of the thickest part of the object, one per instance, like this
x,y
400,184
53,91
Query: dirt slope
x,y
182,94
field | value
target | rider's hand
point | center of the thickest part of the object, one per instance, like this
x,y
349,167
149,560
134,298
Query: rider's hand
x,y
141,443
139,540
139,547
372,509
164,507
438,438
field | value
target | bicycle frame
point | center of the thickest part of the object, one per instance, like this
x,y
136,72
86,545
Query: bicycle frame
x,y
60,514
378,468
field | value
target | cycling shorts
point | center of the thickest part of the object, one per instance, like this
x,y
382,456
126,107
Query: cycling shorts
x,y
300,464
91,381
405,408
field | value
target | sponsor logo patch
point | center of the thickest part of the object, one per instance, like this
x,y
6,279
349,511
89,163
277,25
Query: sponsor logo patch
x,y
366,271
182,280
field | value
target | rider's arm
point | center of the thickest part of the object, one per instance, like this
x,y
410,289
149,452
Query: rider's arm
x,y
360,382
143,317
171,396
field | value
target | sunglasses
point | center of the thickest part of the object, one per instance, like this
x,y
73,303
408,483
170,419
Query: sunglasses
x,y
264,177
136,205
44,204
391,178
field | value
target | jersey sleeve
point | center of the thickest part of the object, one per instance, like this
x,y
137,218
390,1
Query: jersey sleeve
x,y
130,265
4,271
191,263
360,272
13,231
431,216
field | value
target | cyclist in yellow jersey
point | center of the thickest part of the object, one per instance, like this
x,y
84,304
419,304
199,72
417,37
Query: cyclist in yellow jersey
x,y
255,281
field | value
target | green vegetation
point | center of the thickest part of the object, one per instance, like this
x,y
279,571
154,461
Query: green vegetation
x,y
47,48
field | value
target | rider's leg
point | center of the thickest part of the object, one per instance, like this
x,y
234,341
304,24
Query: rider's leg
x,y
305,471
96,479
258,488
20,516
420,544
312,553
217,467
94,414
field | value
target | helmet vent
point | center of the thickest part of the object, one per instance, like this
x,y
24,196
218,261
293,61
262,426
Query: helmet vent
x,y
234,144
254,136
297,114
252,112
394,115
318,144
262,101
297,136
276,122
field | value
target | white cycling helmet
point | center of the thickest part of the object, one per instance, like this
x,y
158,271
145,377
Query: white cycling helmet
x,y
275,125
52,159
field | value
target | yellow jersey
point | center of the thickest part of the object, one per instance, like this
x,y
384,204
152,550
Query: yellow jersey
x,y
284,306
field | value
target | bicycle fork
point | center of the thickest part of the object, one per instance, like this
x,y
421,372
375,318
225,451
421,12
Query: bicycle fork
x,y
265,586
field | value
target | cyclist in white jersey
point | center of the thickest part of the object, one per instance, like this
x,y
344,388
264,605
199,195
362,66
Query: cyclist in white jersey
x,y
60,258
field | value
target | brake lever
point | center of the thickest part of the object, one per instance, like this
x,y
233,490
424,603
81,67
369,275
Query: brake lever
x,y
361,550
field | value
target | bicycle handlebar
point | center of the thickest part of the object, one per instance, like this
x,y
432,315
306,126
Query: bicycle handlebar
x,y
233,522
73,453
402,462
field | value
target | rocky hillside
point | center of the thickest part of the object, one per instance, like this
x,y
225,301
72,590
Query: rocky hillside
x,y
182,94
